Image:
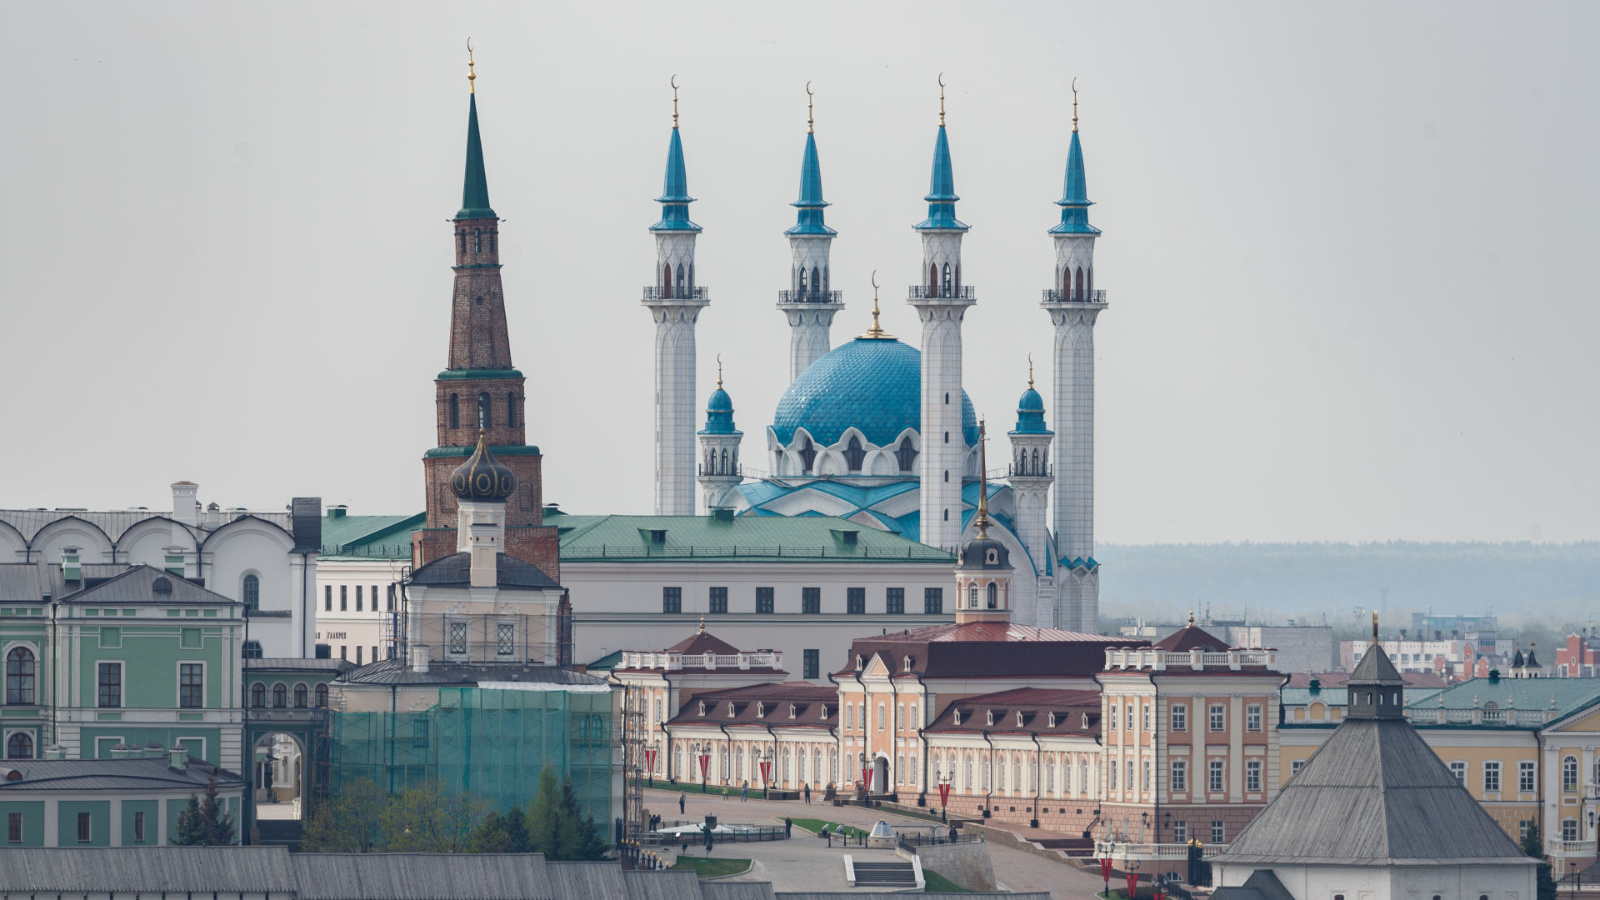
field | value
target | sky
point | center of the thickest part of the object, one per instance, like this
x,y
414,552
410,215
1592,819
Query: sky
x,y
1343,243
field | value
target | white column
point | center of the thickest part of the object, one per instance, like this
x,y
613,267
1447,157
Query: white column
x,y
941,302
675,308
1030,497
809,305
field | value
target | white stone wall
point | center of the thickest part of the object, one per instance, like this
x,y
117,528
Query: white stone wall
x,y
348,628
675,370
717,477
1074,252
1074,448
809,340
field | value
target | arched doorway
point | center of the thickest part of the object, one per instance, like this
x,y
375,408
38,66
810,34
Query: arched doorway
x,y
880,775
278,777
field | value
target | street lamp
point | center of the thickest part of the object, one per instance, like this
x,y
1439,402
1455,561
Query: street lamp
x,y
944,792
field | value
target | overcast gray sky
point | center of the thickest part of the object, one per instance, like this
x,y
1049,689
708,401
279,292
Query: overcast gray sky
x,y
1344,243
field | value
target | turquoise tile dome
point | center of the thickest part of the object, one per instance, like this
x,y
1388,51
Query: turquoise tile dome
x,y
872,384
719,414
1030,413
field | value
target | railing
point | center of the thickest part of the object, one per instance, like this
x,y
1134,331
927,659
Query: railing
x,y
675,293
911,842
1557,847
1041,470
811,296
673,662
1159,660
719,470
375,551
840,551
1116,851
1074,296
923,292
1421,715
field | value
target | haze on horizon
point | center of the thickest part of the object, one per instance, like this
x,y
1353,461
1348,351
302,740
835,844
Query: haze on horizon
x,y
1342,244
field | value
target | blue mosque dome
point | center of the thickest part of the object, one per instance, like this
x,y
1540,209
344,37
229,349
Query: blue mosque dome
x,y
719,413
872,384
1030,413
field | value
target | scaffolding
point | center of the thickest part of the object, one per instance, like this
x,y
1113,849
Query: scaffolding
x,y
633,766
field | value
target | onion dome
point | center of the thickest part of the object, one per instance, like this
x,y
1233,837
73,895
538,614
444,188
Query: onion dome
x,y
482,477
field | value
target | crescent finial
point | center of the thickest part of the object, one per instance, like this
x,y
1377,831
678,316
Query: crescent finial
x,y
941,99
471,77
1074,104
810,118
674,83
719,370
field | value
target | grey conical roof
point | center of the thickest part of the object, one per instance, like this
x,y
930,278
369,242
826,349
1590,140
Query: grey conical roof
x,y
1374,795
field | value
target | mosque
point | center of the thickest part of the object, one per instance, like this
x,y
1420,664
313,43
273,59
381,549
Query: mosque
x,y
879,431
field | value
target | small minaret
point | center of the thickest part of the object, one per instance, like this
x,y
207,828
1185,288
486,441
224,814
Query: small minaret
x,y
808,303
719,449
1030,480
675,302
983,565
1073,304
941,301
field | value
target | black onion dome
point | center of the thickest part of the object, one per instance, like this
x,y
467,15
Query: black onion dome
x,y
482,477
985,553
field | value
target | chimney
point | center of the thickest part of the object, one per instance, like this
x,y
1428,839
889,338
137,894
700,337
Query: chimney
x,y
123,751
186,503
419,657
479,527
154,750
54,751
180,758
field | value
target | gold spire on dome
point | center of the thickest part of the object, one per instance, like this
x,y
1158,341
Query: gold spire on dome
x,y
1074,104
1191,618
1374,626
1030,371
471,76
810,118
941,99
674,84
875,333
719,371
702,623
982,519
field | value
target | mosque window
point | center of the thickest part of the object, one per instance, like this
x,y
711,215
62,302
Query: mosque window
x,y
511,409
681,278
1066,283
808,455
854,455
946,284
933,601
485,411
816,280
804,283
666,280
905,454
1078,285
455,411
933,276
691,276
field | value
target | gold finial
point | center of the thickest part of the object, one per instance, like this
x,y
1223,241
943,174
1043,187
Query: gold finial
x,y
719,371
1074,105
1374,626
810,120
983,481
1030,371
674,83
702,623
875,333
471,76
1191,618
941,99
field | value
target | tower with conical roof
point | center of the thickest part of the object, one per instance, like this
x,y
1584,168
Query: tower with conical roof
x,y
983,564
1030,480
480,393
809,303
675,301
1073,304
719,449
941,300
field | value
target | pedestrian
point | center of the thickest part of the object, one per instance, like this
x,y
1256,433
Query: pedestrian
x,y
788,827
952,834
744,791
827,834
724,792
680,804
808,794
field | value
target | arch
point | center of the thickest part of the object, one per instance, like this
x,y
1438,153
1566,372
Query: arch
x,y
20,676
90,538
666,280
1078,285
485,410
854,454
1066,283
1036,469
933,276
945,285
258,694
816,280
455,411
250,592
994,594
300,693
19,746
906,454
691,276
1090,281
726,470
322,696
511,408
804,282
808,455
682,277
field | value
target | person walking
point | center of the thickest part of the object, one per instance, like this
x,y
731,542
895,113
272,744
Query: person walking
x,y
808,794
788,827
680,804
724,792
744,791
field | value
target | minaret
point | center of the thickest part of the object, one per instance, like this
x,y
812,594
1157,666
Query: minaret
x,y
1073,304
675,303
479,394
1030,487
719,449
941,301
983,565
808,302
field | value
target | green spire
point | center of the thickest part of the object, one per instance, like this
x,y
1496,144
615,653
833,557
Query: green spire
x,y
475,189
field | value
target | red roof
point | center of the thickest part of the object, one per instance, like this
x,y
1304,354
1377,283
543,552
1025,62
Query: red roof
x,y
701,643
994,649
1191,637
1035,705
774,699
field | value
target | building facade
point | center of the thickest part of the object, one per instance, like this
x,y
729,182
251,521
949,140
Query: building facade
x,y
133,799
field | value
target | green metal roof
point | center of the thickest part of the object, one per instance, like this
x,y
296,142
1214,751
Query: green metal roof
x,y
765,538
1570,695
369,537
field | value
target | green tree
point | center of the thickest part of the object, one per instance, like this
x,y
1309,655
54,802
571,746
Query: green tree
x,y
428,819
544,815
348,823
517,830
1532,845
580,838
205,822
491,836
557,825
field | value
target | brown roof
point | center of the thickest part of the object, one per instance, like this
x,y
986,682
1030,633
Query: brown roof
x,y
1191,637
1035,704
993,649
774,700
700,642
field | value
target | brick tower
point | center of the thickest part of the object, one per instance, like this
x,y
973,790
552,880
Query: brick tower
x,y
479,389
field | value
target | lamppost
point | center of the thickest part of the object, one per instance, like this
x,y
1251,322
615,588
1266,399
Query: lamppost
x,y
1572,869
944,793
1131,866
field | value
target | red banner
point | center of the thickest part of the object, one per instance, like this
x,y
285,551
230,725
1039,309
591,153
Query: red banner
x,y
866,777
650,761
1133,884
944,794
766,771
1105,868
705,765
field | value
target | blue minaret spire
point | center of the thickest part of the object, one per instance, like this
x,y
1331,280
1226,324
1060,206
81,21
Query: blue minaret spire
x,y
810,302
810,203
942,188
675,197
1075,200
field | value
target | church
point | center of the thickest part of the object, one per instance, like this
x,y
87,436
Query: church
x,y
878,431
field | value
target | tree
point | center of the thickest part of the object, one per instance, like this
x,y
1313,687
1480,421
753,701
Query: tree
x,y
517,830
428,819
491,836
1532,845
544,815
349,822
580,837
205,822
557,825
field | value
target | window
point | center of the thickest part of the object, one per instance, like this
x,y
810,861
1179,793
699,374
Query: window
x,y
358,598
19,746
138,828
388,605
719,599
258,695
1217,711
905,454
191,685
1219,832
1130,716
1114,715
485,411
252,593
1149,773
84,828
19,676
1252,776
511,409
1180,832
1525,776
1252,717
455,411
1214,774
1458,768
456,638
344,597
672,599
933,601
895,601
880,716
1180,775
251,650
110,685
505,639
1180,717
811,601
1569,830
358,662
1569,775
1145,712
1491,775
854,454
14,827
280,691
322,696
850,716
1296,766
299,696
327,598
813,663
993,594
764,601
856,601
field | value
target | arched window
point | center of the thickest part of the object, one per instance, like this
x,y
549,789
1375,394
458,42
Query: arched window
x,y
816,280
933,276
1569,774
946,279
300,696
20,746
681,276
455,411
725,469
691,276
477,240
258,695
19,676
1066,283
251,593
322,696
947,515
946,476
808,455
804,283
251,650
972,597
485,411
666,281
854,455
280,696
906,454
1036,469
1090,284
511,409
1078,285
994,593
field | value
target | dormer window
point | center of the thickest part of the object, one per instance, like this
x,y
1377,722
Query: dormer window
x,y
907,664
956,716
824,710
1052,720
859,663
1019,718
761,711
989,715
791,710
991,558
658,536
730,709
1086,721
702,707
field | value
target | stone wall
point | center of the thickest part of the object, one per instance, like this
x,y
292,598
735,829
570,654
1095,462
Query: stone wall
x,y
965,864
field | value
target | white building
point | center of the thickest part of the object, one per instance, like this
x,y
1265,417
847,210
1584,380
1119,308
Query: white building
x,y
364,559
